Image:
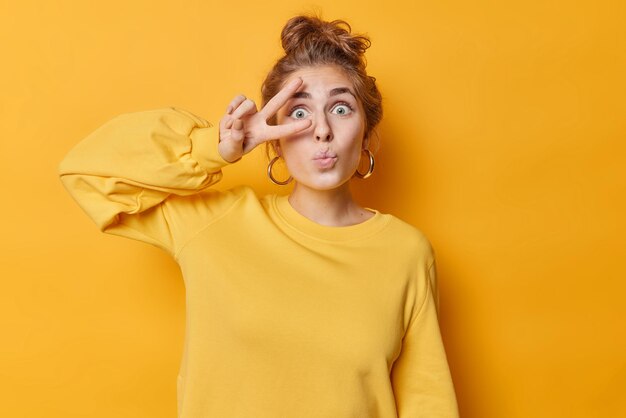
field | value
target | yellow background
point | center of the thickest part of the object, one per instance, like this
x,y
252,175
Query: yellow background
x,y
503,140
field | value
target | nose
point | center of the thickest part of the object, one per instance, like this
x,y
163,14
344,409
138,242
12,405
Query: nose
x,y
323,132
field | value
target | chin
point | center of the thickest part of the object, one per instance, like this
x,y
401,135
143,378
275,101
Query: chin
x,y
323,183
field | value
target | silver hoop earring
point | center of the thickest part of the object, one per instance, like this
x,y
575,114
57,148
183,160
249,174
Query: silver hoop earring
x,y
271,176
370,170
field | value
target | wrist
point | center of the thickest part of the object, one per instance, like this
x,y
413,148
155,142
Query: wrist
x,y
224,155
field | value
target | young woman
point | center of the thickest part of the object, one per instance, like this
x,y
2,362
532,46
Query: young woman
x,y
306,305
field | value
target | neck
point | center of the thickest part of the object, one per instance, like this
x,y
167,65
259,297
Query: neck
x,y
334,207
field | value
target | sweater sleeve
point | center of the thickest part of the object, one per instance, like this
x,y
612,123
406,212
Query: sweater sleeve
x,y
420,376
146,176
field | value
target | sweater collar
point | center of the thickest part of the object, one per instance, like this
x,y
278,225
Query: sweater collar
x,y
300,223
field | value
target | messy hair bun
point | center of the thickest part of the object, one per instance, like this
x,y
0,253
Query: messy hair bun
x,y
309,41
307,35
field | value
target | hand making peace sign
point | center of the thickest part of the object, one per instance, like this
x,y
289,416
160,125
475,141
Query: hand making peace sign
x,y
242,128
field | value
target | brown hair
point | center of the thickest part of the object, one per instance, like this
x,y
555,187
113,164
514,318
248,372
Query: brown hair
x,y
309,41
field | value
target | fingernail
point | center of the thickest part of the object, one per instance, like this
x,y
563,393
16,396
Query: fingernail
x,y
229,110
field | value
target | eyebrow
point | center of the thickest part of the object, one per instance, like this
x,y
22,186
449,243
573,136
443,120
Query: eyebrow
x,y
333,92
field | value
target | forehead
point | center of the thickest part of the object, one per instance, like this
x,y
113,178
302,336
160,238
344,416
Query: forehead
x,y
321,78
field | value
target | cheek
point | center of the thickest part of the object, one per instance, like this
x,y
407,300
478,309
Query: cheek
x,y
288,145
292,150
353,133
355,155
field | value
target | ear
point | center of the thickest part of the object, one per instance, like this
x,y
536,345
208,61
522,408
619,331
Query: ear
x,y
366,142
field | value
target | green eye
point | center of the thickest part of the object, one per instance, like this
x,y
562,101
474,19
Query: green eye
x,y
299,113
342,109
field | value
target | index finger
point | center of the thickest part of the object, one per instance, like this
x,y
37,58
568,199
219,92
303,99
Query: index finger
x,y
287,129
280,98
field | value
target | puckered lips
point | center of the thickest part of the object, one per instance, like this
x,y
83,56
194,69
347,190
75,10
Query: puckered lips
x,y
324,159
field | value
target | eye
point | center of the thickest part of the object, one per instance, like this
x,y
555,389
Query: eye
x,y
342,109
298,113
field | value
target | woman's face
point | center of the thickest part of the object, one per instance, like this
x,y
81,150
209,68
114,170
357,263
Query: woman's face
x,y
325,155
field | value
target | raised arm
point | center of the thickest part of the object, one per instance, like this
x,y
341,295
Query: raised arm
x,y
121,172
146,175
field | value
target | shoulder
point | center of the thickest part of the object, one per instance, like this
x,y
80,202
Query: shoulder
x,y
188,215
268,200
212,201
193,212
410,239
